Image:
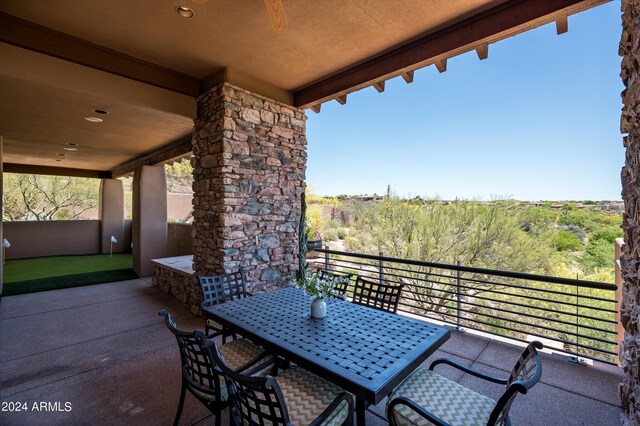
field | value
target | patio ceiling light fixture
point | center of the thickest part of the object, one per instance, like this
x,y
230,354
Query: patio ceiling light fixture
x,y
101,111
70,146
185,12
94,119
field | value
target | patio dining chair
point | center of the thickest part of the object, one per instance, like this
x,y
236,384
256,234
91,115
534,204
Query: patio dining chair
x,y
426,397
294,397
201,377
220,289
382,296
340,281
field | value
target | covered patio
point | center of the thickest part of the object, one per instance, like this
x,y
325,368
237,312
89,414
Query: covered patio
x,y
105,350
80,98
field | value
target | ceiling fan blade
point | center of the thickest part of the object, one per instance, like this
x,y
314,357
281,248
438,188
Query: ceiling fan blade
x,y
276,14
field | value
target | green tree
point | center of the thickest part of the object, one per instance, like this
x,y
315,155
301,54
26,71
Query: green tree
x,y
38,197
564,240
179,177
475,234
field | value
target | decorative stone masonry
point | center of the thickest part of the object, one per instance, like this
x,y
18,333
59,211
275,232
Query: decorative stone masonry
x,y
249,161
630,262
174,275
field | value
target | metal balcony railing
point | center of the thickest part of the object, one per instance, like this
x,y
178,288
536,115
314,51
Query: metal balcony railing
x,y
576,317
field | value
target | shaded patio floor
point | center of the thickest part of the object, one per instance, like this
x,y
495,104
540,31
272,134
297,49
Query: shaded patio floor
x,y
105,350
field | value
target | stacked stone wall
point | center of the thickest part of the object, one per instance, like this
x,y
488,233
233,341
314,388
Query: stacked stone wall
x,y
249,169
630,262
182,286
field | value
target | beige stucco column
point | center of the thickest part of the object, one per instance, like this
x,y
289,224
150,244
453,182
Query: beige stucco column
x,y
149,218
111,215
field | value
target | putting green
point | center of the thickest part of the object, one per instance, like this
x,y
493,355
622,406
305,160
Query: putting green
x,y
49,273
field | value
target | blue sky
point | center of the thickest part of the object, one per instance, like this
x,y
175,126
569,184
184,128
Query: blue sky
x,y
537,120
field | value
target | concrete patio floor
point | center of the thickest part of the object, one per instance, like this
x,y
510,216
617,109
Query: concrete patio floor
x,y
105,350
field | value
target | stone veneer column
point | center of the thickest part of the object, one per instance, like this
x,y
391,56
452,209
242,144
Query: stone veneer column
x,y
149,218
629,350
1,207
249,169
111,214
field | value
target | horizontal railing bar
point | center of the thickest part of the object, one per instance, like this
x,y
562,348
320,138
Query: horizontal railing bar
x,y
538,335
557,321
507,274
565,351
586,297
531,306
544,290
568,333
517,295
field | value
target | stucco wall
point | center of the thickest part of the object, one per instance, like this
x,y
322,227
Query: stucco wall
x,y
179,240
57,237
52,237
179,206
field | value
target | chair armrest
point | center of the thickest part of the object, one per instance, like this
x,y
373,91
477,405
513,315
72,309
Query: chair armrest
x,y
468,370
214,334
437,421
342,397
250,368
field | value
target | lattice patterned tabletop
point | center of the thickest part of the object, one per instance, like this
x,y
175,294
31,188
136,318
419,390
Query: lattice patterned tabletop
x,y
364,350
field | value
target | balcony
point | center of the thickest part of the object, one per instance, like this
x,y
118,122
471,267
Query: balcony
x,y
105,350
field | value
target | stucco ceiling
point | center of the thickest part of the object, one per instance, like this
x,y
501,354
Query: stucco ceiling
x,y
43,99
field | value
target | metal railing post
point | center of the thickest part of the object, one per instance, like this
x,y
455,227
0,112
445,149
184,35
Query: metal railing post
x,y
326,258
381,267
458,297
577,360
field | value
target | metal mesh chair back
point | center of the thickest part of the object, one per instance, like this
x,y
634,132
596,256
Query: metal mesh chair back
x,y
197,369
222,288
257,401
525,374
340,281
384,297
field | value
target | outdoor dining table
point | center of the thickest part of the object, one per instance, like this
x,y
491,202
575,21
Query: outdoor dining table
x,y
365,351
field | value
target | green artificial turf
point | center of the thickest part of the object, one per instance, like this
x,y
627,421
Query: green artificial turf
x,y
49,273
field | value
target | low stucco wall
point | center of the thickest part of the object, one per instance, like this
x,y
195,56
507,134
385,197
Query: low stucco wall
x,y
57,238
52,238
179,239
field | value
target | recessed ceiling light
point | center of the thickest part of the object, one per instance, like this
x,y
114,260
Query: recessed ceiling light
x,y
59,159
70,148
185,12
61,155
101,111
71,144
94,119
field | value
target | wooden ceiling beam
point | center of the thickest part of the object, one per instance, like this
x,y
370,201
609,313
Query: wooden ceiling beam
x,y
31,36
178,148
562,25
441,65
342,99
379,86
483,51
502,21
31,169
407,76
316,108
